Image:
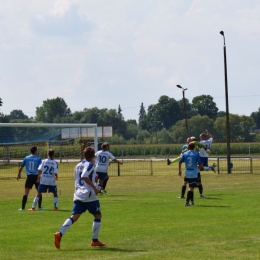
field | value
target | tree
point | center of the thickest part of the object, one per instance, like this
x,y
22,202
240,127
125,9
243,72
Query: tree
x,y
51,109
142,112
17,114
204,105
256,118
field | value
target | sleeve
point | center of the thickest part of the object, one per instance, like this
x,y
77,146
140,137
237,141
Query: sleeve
x,y
111,156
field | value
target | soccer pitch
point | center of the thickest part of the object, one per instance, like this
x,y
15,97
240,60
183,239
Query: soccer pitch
x,y
142,219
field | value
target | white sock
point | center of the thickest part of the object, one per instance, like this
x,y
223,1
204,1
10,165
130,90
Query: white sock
x,y
35,201
66,225
55,202
95,228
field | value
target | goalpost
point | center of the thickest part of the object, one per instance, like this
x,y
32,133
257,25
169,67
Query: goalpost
x,y
68,140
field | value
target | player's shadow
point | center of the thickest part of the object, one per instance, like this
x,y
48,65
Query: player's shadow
x,y
112,249
213,206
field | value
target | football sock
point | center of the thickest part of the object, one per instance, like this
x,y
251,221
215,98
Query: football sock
x,y
175,159
24,200
95,229
66,225
200,187
40,202
183,190
35,201
56,202
189,196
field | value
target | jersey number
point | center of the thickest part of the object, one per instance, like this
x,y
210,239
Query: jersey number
x,y
102,159
48,170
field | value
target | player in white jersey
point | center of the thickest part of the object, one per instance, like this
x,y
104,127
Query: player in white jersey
x,y
47,176
204,153
103,158
85,198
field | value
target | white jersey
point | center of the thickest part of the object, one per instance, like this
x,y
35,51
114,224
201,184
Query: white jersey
x,y
49,167
207,143
83,191
102,160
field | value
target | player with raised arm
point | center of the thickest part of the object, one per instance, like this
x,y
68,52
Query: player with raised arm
x,y
204,153
192,162
31,163
102,159
85,198
47,176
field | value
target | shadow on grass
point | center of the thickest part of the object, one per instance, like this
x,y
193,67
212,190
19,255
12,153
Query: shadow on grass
x,y
111,249
212,206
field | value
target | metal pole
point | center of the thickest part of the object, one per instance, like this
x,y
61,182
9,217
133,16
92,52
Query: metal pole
x,y
184,107
227,108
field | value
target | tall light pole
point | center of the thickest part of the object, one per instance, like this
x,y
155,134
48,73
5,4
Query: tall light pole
x,y
184,108
227,109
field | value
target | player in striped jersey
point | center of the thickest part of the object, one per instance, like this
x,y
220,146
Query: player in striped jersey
x,y
85,198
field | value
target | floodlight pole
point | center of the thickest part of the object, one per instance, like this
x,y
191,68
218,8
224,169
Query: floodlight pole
x,y
227,108
184,108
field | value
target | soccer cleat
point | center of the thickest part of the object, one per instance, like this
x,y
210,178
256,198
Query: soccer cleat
x,y
213,168
41,208
168,161
57,239
31,209
202,196
192,203
20,209
187,204
181,197
56,209
104,192
98,243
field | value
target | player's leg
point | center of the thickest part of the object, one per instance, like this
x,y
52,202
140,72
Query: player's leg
x,y
35,201
79,207
40,197
183,189
105,183
53,189
27,186
173,160
190,195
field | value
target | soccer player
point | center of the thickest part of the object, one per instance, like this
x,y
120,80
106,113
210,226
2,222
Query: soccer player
x,y
31,163
192,162
102,159
85,198
47,176
204,152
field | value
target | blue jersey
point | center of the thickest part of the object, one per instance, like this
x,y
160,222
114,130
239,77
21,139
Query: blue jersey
x,y
191,159
31,163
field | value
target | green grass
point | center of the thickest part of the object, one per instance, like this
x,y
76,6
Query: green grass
x,y
142,219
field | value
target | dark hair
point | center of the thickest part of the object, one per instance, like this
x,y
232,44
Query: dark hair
x,y
191,146
33,149
89,153
105,146
51,153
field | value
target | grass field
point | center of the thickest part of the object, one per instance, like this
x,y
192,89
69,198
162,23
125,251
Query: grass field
x,y
142,219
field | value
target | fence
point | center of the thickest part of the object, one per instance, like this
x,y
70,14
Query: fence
x,y
142,167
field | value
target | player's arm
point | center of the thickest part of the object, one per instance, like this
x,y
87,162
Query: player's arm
x,y
200,145
116,161
91,184
180,168
39,175
208,134
56,176
19,173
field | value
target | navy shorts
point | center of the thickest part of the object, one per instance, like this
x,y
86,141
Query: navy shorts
x,y
80,207
199,177
204,161
102,175
47,188
31,180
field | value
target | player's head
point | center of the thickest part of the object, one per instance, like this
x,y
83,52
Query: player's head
x,y
203,136
105,146
33,149
193,138
89,153
191,146
51,153
188,140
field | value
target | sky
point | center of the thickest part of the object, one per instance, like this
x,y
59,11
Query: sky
x,y
106,53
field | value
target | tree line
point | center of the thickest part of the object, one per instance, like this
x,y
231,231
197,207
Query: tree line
x,y
163,122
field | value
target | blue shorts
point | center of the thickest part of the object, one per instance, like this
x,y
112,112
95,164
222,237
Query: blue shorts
x,y
204,161
47,188
192,182
80,207
102,175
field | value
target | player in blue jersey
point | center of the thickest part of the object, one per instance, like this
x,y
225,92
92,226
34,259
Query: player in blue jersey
x,y
192,165
85,198
103,158
31,163
47,176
